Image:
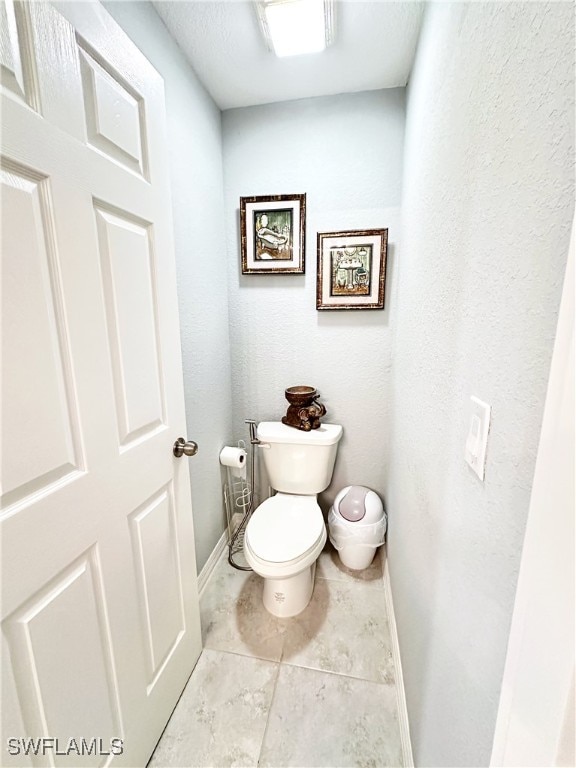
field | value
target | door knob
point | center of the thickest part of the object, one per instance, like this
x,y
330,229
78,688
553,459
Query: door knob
x,y
184,448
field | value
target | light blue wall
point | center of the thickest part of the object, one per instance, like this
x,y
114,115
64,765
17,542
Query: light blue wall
x,y
487,210
345,153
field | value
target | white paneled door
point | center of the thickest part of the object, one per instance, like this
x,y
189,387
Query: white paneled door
x,y
100,621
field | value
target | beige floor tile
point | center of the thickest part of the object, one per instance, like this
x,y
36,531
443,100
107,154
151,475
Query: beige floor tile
x,y
324,636
234,618
221,716
320,720
334,703
345,630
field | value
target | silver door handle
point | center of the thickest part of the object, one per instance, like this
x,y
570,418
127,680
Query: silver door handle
x,y
184,448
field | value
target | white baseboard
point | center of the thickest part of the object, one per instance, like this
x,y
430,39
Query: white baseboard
x,y
210,564
407,757
215,555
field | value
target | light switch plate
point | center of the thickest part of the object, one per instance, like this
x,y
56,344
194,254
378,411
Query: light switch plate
x,y
477,440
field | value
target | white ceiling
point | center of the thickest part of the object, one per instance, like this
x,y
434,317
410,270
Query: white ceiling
x,y
374,48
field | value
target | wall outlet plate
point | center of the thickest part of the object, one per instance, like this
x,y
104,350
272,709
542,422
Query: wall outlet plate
x,y
477,440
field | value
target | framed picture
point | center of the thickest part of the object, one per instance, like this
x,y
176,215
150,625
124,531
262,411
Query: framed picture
x,y
351,269
273,233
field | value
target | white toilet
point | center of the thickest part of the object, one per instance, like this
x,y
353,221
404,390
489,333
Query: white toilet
x,y
286,533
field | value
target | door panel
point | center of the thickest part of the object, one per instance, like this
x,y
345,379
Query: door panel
x,y
155,543
15,62
114,114
100,617
72,693
127,271
34,330
10,58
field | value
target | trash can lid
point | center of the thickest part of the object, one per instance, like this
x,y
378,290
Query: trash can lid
x,y
357,503
352,506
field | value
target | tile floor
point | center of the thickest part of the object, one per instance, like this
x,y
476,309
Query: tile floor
x,y
314,691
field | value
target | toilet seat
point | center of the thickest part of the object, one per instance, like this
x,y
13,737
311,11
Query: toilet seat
x,y
273,572
285,529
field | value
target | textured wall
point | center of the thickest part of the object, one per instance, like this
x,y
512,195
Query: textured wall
x,y
195,146
487,209
345,153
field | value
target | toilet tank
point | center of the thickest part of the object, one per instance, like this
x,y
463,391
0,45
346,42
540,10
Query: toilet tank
x,y
297,461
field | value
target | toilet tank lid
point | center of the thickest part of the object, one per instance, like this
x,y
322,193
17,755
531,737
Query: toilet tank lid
x,y
276,432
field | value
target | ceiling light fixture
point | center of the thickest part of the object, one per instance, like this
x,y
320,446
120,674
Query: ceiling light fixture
x,y
294,27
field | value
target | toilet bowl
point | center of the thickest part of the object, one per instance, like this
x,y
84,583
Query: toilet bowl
x,y
283,540
286,533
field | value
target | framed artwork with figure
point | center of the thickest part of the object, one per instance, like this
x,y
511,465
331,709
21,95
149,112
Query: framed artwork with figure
x,y
351,269
273,234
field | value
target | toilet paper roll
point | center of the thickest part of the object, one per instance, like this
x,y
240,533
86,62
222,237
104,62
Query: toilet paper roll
x,y
235,458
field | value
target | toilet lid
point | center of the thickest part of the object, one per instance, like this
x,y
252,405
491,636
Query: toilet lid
x,y
284,528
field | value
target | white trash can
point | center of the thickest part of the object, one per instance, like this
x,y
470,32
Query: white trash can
x,y
357,525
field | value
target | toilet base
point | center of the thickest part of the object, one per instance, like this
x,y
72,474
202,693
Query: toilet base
x,y
288,597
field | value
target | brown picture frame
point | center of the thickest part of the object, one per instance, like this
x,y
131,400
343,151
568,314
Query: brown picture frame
x,y
273,234
351,269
